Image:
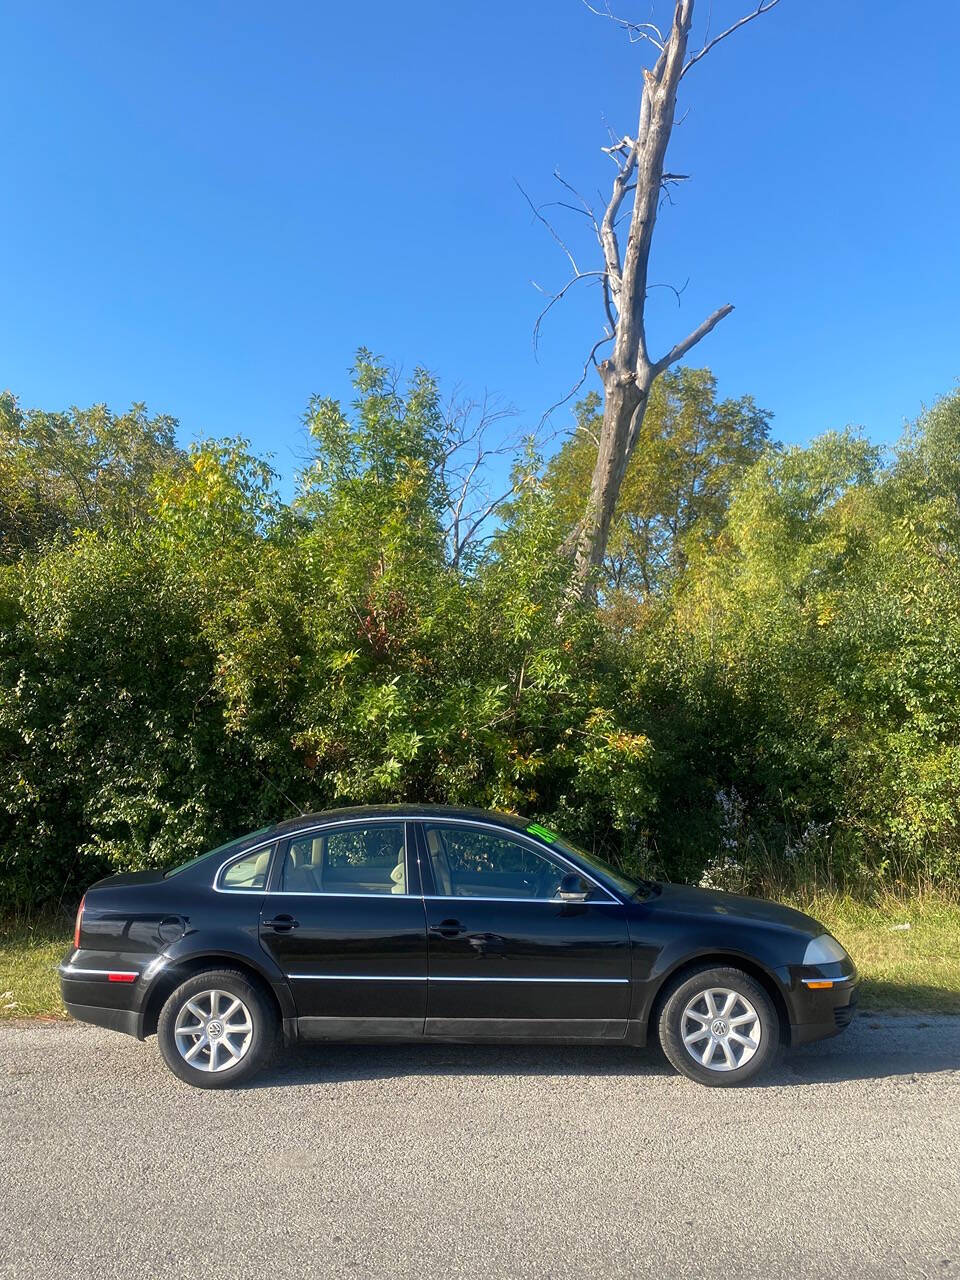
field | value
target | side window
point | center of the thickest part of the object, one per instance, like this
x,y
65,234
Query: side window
x,y
356,859
468,862
248,873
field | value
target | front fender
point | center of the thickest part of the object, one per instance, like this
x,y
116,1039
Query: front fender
x,y
759,955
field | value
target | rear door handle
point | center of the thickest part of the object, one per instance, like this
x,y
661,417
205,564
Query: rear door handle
x,y
448,928
282,924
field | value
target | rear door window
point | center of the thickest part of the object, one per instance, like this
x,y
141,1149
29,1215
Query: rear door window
x,y
357,859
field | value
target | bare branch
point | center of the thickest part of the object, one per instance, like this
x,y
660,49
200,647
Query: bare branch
x,y
635,30
608,227
590,360
555,298
481,519
672,287
680,350
764,7
550,227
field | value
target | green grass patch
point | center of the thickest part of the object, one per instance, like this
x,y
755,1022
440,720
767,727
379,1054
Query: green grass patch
x,y
903,968
29,954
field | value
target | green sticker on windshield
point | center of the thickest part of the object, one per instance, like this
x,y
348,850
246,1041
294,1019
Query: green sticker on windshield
x,y
535,829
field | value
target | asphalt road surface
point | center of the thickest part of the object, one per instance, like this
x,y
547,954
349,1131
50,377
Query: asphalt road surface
x,y
439,1161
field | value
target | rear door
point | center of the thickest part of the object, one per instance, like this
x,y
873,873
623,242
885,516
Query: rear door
x,y
508,957
344,920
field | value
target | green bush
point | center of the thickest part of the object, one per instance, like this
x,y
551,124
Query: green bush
x,y
188,657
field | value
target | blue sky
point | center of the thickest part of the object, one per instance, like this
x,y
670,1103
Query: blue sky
x,y
209,207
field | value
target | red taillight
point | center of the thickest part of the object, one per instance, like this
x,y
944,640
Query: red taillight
x,y
121,977
76,927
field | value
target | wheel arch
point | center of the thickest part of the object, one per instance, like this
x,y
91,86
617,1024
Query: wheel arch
x,y
710,960
181,968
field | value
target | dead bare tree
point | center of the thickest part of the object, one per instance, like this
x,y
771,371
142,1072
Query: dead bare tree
x,y
629,371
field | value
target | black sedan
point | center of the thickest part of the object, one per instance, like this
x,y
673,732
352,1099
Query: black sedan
x,y
429,923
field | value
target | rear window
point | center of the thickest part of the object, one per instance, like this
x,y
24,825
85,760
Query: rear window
x,y
247,874
210,853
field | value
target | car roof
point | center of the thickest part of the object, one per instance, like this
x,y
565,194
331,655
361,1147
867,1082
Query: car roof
x,y
401,811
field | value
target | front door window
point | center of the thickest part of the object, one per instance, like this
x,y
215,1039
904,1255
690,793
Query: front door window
x,y
469,862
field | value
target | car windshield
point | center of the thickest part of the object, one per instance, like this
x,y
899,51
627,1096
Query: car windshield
x,y
221,848
633,886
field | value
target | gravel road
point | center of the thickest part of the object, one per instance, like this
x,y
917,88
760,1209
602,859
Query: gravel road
x,y
439,1161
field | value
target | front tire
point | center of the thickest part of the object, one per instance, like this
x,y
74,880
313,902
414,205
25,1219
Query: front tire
x,y
217,1029
719,1027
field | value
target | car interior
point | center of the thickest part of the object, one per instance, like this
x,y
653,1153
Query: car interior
x,y
348,860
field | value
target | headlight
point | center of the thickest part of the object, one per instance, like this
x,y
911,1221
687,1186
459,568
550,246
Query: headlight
x,y
824,950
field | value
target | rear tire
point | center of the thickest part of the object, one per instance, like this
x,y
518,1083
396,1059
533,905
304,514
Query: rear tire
x,y
218,1029
718,1026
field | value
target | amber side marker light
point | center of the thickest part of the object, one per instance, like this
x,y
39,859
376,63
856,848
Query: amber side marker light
x,y
819,986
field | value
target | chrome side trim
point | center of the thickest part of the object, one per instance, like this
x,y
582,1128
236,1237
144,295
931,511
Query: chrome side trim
x,y
322,893
617,981
68,970
372,977
357,977
557,902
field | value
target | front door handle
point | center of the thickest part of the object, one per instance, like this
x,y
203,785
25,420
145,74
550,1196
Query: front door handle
x,y
448,928
282,924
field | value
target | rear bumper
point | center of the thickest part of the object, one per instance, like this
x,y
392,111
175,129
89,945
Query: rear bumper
x,y
125,1020
90,996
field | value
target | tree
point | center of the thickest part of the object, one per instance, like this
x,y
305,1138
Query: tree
x,y
692,450
88,469
630,371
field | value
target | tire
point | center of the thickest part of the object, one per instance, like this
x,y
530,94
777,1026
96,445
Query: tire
x,y
731,1027
197,1020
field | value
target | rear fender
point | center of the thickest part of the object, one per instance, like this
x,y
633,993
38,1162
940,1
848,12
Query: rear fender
x,y
194,952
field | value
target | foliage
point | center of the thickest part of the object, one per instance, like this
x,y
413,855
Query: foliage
x,y
691,452
768,697
86,469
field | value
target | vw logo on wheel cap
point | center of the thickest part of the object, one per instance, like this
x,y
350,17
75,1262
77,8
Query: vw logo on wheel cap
x,y
214,1029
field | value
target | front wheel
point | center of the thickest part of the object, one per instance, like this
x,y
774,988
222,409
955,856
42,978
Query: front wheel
x,y
217,1029
719,1027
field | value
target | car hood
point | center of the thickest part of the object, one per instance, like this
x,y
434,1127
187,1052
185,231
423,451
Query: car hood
x,y
711,903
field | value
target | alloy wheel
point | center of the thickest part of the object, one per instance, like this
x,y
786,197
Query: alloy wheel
x,y
720,1029
213,1030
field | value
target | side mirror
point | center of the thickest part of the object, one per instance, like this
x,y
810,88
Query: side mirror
x,y
572,888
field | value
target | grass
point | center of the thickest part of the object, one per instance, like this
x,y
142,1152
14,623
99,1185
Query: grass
x,y
29,954
915,968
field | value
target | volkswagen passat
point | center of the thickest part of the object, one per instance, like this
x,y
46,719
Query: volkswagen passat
x,y
426,923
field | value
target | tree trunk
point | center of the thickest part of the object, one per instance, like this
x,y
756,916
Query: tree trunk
x,y
624,405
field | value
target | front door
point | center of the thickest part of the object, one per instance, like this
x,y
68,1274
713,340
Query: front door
x,y
344,921
508,958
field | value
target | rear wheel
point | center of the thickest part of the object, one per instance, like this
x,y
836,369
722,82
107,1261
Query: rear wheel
x,y
217,1029
719,1027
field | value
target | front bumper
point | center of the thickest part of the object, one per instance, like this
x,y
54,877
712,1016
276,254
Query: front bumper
x,y
817,1012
